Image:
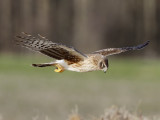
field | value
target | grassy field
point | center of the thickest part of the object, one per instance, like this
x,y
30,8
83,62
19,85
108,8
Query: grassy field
x,y
27,92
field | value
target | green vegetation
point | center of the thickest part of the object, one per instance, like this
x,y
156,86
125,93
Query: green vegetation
x,y
26,92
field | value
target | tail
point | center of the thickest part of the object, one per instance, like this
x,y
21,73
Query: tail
x,y
43,65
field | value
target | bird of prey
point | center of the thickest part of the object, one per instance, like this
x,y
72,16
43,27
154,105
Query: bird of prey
x,y
68,58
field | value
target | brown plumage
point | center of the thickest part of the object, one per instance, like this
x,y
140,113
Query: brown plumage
x,y
68,58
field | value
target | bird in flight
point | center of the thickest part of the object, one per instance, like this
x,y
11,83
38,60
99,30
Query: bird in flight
x,y
68,58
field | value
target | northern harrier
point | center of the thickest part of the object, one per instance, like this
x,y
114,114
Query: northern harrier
x,y
69,58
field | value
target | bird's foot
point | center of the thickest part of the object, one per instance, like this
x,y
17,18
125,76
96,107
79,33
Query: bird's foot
x,y
59,68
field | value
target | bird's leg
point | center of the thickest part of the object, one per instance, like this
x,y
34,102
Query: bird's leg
x,y
59,68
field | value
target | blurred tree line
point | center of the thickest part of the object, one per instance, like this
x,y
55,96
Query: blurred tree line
x,y
87,25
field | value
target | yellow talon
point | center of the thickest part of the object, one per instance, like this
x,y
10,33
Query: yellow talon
x,y
59,68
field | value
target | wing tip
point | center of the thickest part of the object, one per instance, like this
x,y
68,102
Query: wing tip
x,y
147,42
143,45
138,47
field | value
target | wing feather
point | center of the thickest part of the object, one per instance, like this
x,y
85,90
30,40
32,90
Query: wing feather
x,y
54,50
112,51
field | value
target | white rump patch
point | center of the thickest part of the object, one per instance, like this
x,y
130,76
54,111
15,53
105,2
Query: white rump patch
x,y
63,63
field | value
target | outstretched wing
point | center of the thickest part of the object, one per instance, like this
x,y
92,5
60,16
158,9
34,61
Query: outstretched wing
x,y
112,51
54,50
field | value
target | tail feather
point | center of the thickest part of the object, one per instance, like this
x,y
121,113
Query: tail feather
x,y
43,65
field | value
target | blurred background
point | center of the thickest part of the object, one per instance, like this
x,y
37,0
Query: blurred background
x,y
132,79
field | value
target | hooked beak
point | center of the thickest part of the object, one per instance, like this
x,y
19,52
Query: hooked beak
x,y
105,70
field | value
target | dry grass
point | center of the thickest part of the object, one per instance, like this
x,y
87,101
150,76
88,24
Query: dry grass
x,y
113,113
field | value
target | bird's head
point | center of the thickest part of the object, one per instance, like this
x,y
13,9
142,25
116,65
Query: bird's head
x,y
103,65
